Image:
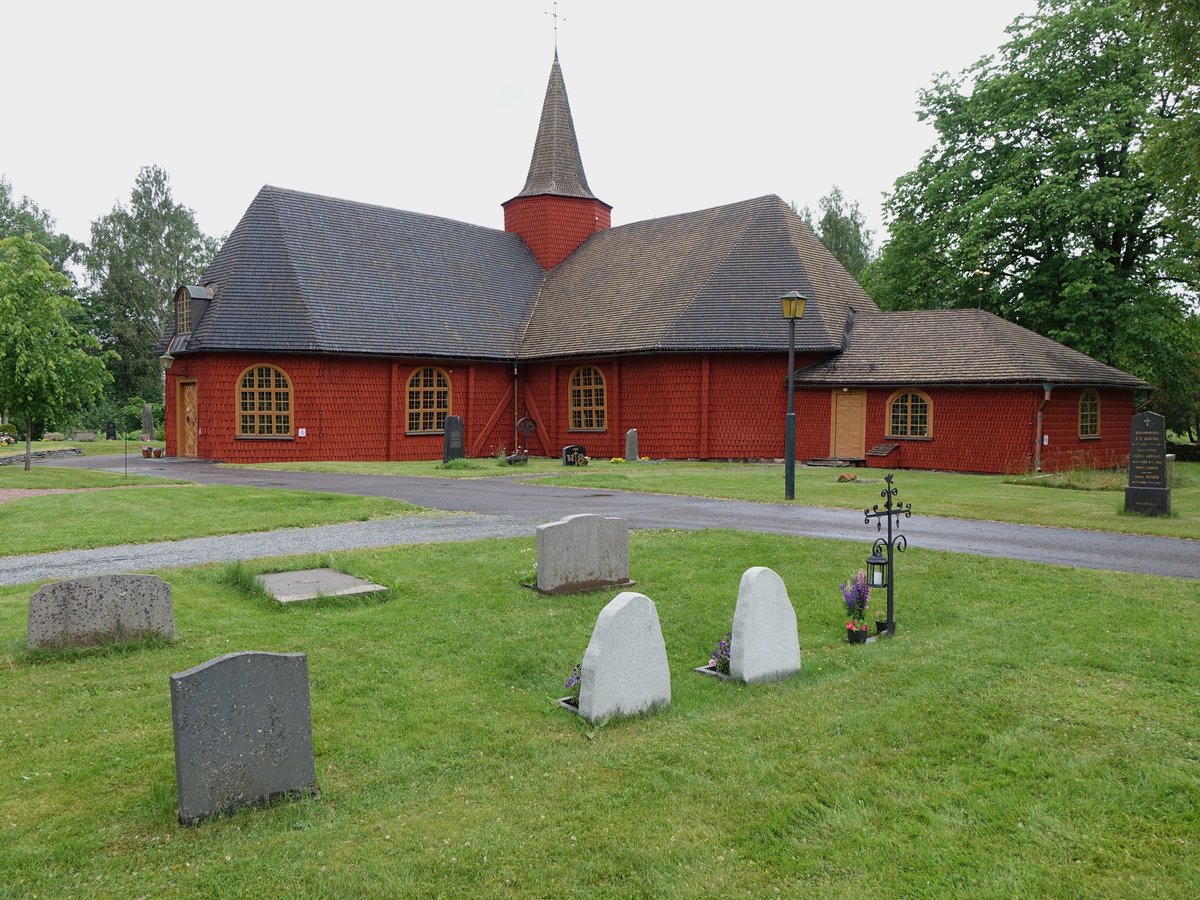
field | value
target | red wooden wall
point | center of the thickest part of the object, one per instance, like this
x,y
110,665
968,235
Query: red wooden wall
x,y
684,406
552,227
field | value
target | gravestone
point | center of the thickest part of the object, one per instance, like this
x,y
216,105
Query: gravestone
x,y
147,422
110,430
765,645
582,553
452,446
309,584
100,609
631,445
1149,492
625,668
572,453
243,732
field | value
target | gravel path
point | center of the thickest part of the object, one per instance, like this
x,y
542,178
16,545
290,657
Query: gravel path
x,y
421,529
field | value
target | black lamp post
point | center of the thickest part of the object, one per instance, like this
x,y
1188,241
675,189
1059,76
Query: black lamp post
x,y
792,304
881,572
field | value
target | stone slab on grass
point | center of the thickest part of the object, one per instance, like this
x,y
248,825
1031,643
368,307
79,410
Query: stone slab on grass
x,y
242,727
765,645
308,584
625,668
582,553
100,609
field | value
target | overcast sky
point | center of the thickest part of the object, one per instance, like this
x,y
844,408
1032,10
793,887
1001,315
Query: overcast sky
x,y
433,107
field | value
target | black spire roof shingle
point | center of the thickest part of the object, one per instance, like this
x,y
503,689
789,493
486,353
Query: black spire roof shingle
x,y
556,167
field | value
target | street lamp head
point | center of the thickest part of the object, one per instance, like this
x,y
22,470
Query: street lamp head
x,y
792,304
166,361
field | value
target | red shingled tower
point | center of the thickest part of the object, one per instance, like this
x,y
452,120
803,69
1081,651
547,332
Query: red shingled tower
x,y
556,211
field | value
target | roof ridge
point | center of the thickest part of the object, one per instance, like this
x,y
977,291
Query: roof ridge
x,y
301,295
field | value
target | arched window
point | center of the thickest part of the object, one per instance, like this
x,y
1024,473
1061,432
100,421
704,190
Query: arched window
x,y
910,414
264,403
183,312
1089,414
587,399
428,400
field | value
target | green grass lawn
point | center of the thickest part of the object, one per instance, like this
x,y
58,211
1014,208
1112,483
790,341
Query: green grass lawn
x,y
89,448
1033,501
42,476
104,518
1033,731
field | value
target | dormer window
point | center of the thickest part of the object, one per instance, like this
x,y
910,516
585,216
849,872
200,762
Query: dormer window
x,y
183,311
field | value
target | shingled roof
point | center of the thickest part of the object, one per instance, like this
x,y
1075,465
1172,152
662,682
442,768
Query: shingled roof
x,y
706,280
302,272
556,167
956,346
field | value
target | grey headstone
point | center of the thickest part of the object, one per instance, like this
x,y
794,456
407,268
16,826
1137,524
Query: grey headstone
x,y
582,553
147,422
99,609
243,732
625,668
309,584
1149,491
452,445
572,453
631,445
765,645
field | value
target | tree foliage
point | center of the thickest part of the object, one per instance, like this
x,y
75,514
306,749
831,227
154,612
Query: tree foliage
x,y
46,369
843,230
21,217
139,254
1035,202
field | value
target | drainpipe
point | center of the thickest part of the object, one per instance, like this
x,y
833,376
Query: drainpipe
x,y
516,412
1037,447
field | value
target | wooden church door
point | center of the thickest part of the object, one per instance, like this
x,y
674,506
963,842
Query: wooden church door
x,y
187,427
848,425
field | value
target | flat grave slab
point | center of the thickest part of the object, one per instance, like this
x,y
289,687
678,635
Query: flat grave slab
x,y
308,584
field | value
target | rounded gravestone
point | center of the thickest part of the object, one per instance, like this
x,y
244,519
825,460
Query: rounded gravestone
x,y
625,668
765,645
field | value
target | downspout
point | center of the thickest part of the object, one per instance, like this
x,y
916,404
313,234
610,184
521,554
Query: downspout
x,y
516,411
1037,447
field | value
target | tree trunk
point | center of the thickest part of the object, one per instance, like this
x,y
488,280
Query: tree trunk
x,y
28,440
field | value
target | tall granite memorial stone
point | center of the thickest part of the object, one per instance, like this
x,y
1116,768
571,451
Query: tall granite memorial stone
x,y
631,445
1149,492
243,732
452,447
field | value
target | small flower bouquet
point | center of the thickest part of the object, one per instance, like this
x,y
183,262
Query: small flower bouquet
x,y
573,684
718,661
856,593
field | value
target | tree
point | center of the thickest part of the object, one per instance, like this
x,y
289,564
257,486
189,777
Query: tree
x,y
1035,202
842,229
45,367
138,256
26,217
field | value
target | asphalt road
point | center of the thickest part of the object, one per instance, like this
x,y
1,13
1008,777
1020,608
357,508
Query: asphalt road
x,y
506,505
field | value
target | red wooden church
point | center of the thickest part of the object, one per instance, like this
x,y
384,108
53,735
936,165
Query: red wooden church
x,y
332,330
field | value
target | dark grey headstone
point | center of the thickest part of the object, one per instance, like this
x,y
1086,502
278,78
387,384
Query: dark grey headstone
x,y
452,446
572,453
99,609
147,422
1148,493
110,430
243,732
631,445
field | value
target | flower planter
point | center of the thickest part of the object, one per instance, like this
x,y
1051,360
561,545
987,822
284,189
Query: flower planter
x,y
158,453
145,453
711,672
854,636
880,627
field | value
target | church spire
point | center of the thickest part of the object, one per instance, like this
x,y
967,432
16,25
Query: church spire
x,y
556,211
556,167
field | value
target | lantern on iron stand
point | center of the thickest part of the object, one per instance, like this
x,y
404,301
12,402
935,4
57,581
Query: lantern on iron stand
x,y
880,564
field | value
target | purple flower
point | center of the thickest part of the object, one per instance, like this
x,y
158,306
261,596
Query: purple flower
x,y
720,655
857,595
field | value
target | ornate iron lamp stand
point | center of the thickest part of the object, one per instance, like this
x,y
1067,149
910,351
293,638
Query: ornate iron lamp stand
x,y
880,567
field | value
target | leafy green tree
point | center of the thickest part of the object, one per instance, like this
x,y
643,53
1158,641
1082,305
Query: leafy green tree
x,y
842,229
46,369
139,255
20,217
1035,203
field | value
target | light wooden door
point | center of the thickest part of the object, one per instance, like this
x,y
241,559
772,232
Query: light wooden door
x,y
848,426
187,428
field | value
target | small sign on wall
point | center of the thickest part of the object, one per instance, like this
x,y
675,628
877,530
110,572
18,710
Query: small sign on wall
x,y
301,432
1045,440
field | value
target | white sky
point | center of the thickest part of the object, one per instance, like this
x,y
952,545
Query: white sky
x,y
433,107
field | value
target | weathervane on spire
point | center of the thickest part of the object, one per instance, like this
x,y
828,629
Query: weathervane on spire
x,y
554,14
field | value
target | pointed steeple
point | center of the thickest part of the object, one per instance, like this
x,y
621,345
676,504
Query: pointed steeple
x,y
556,211
556,167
